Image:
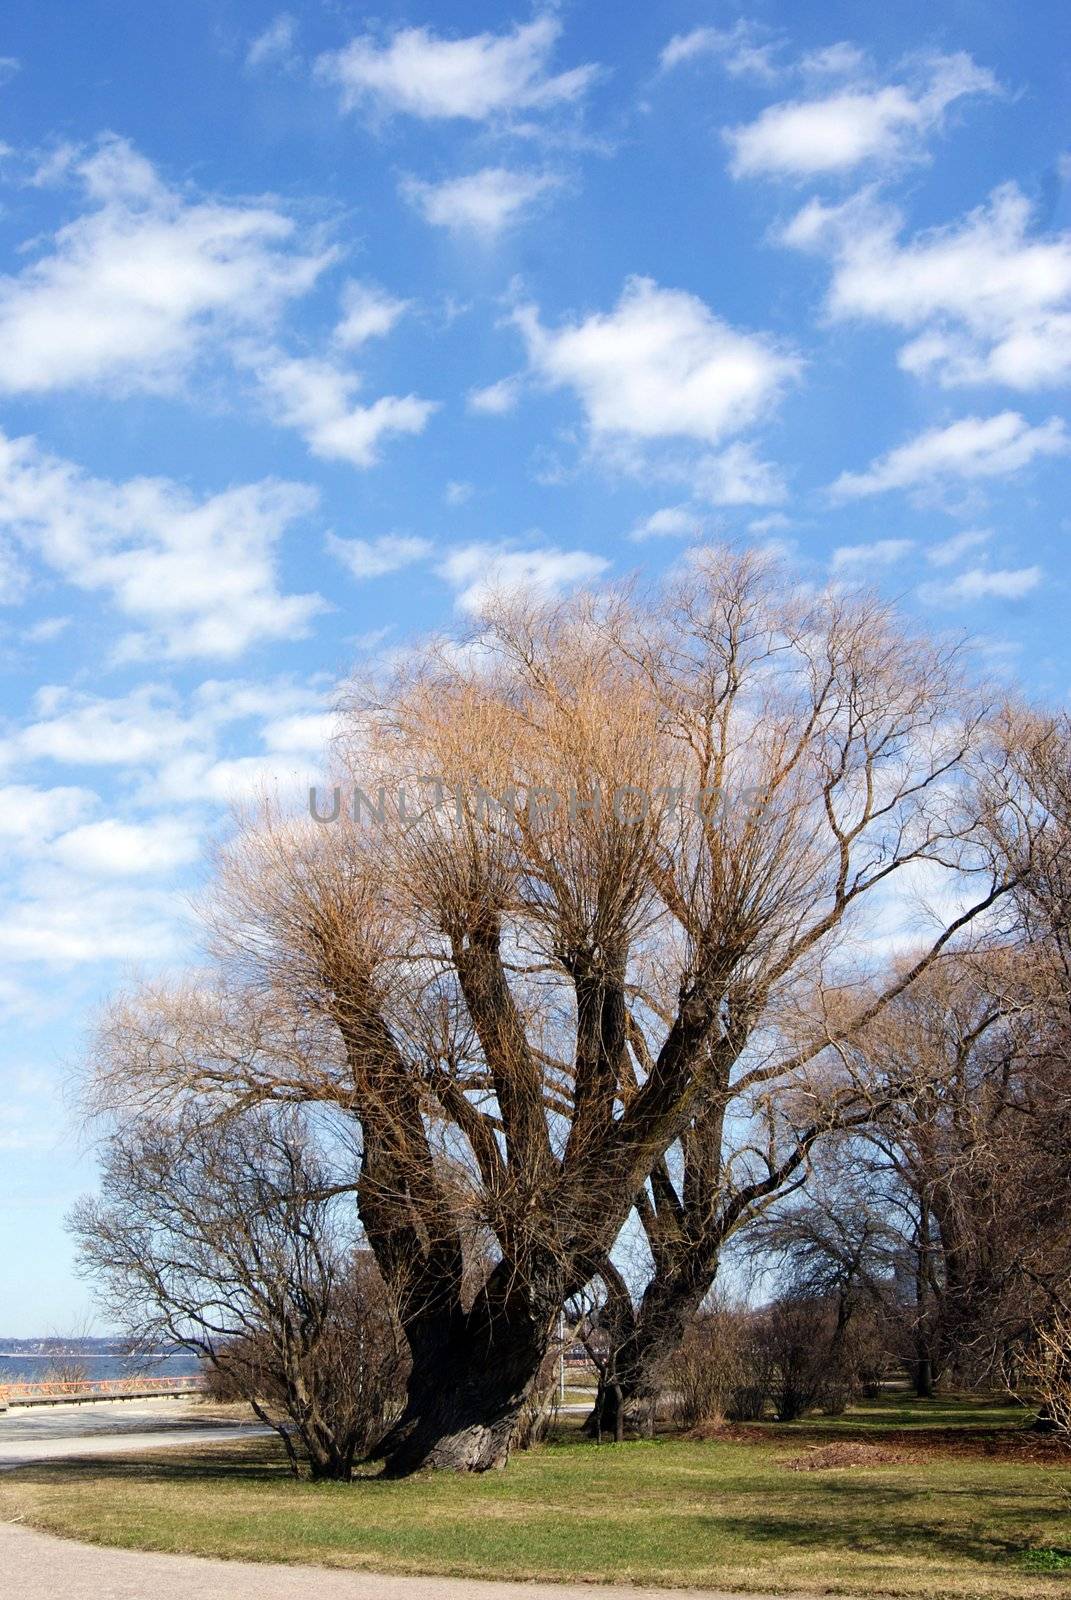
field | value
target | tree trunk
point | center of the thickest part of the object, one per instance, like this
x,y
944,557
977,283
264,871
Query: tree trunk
x,y
471,1377
638,1364
607,1414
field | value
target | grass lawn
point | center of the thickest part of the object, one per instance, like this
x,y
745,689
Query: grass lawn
x,y
726,1513
897,1408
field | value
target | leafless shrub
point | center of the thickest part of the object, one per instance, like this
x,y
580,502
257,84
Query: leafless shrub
x,y
721,1370
237,1240
1046,1365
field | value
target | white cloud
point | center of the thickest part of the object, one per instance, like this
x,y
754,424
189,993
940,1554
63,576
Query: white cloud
x,y
983,583
737,477
949,551
840,60
479,571
854,124
275,46
200,577
881,553
61,922
55,165
74,729
237,780
13,576
368,312
292,755
497,398
131,291
315,397
29,815
112,848
485,202
374,558
18,1001
368,641
34,1112
671,522
458,493
660,365
228,741
974,447
478,78
739,49
46,630
307,732
986,301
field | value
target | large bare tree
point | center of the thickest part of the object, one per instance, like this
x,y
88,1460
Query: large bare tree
x,y
610,851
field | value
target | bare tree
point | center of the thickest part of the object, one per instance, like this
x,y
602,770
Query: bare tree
x,y
837,1249
238,1241
970,1160
1046,1364
611,850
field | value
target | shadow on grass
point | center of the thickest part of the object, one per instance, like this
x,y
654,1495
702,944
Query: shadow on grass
x,y
208,1465
259,1462
871,1518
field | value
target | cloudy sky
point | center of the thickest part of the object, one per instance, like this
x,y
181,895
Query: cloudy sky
x,y
313,323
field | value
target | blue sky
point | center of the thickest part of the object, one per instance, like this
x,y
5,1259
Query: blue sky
x,y
315,322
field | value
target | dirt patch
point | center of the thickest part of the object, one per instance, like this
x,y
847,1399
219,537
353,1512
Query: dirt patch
x,y
846,1453
713,1428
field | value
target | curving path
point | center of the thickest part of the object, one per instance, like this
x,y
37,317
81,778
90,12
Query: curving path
x,y
107,1427
36,1566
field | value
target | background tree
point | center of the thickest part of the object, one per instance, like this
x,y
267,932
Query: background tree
x,y
834,1253
971,1161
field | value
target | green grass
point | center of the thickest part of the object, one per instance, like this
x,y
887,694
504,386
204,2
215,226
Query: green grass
x,y
577,1396
897,1408
670,1511
1047,1560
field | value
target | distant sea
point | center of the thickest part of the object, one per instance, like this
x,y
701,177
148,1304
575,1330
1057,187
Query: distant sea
x,y
18,1367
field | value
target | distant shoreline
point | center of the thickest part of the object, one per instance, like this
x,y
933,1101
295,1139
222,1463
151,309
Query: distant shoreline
x,y
69,1350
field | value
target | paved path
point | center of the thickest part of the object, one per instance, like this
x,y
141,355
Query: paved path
x,y
35,1566
107,1428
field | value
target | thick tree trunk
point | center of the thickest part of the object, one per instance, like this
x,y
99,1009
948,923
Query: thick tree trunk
x,y
472,1374
639,1362
610,1414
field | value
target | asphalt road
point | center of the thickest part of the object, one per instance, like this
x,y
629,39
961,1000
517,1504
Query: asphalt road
x,y
107,1427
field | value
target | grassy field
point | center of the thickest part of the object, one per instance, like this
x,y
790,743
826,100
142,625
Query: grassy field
x,y
897,1409
848,1506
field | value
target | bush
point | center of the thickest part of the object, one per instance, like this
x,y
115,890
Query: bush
x,y
818,1355
238,1239
795,1334
720,1371
333,1394
1047,1365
